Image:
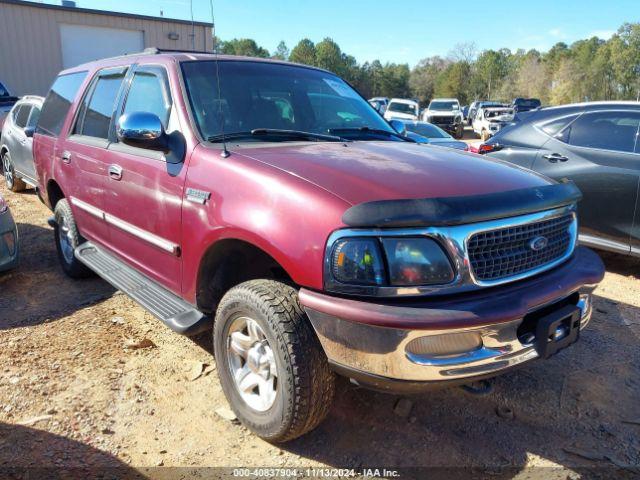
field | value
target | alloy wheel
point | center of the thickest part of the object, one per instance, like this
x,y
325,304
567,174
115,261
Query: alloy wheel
x,y
7,168
252,364
65,238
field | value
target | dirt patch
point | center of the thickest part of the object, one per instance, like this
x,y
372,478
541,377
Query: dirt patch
x,y
75,393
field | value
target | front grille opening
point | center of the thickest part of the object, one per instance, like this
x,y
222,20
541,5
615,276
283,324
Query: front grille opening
x,y
526,332
505,252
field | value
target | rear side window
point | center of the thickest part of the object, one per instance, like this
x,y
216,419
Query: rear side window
x,y
98,107
33,118
554,127
605,130
23,116
58,101
148,93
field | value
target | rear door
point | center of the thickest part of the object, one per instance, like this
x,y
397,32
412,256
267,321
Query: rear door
x,y
26,147
143,204
635,231
84,152
596,151
18,146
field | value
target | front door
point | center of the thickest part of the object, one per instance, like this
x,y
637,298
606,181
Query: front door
x,y
143,200
596,151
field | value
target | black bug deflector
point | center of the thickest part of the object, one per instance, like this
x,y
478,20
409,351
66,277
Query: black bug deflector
x,y
445,211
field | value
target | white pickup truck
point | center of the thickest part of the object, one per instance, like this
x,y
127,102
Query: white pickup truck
x,y
489,120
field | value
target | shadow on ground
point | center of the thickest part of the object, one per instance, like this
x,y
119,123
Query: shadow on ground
x,y
30,453
39,276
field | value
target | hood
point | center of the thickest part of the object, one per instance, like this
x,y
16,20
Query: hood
x,y
400,116
444,113
366,171
447,142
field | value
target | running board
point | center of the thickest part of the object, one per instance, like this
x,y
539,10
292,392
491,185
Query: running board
x,y
175,313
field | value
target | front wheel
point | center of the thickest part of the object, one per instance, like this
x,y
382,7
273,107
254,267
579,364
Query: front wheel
x,y
272,368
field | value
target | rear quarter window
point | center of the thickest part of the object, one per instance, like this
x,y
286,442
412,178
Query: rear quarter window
x,y
56,105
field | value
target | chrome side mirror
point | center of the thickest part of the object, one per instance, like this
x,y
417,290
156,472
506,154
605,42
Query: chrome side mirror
x,y
142,130
399,126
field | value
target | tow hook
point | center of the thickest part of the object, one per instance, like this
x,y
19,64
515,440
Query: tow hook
x,y
479,388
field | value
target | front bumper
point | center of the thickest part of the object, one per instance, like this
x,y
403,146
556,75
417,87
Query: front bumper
x,y
370,342
9,247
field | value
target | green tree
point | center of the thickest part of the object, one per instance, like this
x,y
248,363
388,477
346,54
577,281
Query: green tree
x,y
243,46
282,52
304,52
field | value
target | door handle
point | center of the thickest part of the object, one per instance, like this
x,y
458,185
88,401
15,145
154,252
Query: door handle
x,y
115,172
555,157
66,157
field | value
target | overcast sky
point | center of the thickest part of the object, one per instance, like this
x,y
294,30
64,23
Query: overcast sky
x,y
404,31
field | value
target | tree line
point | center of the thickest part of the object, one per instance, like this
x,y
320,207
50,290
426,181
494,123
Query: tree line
x,y
587,70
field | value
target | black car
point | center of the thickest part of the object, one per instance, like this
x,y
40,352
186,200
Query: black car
x,y
6,102
597,145
525,104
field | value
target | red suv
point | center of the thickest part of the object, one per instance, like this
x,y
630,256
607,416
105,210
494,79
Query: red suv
x,y
271,203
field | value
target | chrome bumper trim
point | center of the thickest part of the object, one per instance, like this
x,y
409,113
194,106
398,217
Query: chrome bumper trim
x,y
382,351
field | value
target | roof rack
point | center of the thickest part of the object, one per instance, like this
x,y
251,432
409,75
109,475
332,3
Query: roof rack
x,y
157,51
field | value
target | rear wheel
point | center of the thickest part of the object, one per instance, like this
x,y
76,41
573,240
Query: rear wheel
x,y
67,240
14,183
272,368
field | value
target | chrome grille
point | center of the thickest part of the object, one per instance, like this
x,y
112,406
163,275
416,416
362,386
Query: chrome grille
x,y
505,252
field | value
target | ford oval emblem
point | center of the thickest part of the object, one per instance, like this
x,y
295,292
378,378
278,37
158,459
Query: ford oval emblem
x,y
538,243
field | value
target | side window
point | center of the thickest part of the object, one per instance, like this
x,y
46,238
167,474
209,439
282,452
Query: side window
x,y
554,127
98,107
58,101
149,93
605,130
33,118
23,116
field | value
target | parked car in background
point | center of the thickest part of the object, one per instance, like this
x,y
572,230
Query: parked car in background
x,y
597,146
465,112
402,109
379,103
6,102
395,276
473,109
446,114
424,132
16,143
9,249
489,120
525,104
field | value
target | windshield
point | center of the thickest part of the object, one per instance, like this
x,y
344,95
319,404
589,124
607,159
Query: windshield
x,y
498,113
444,106
427,130
402,108
3,91
257,95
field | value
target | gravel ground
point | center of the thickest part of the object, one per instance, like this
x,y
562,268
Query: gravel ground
x,y
90,379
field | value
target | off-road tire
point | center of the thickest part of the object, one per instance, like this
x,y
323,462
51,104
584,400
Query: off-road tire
x,y
15,184
305,383
64,216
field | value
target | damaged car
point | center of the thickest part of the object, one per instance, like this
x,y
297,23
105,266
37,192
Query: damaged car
x,y
276,209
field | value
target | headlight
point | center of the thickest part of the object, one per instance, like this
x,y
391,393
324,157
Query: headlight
x,y
416,261
364,265
357,261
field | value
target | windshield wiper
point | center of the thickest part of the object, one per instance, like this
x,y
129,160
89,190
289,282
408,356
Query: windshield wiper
x,y
372,131
274,132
